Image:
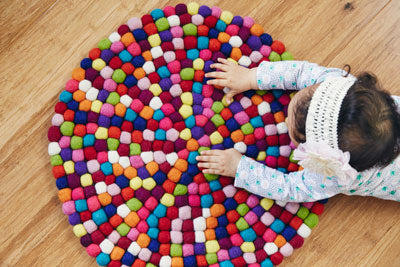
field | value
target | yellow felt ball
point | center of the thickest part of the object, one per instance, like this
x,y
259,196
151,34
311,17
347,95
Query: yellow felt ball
x,y
186,134
86,179
232,60
155,89
193,8
212,246
266,203
247,247
149,183
187,98
135,183
226,16
186,111
216,138
198,64
96,106
101,133
98,64
167,200
79,230
261,155
69,167
223,101
154,40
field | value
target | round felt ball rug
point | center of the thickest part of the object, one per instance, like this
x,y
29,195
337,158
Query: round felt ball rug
x,y
129,125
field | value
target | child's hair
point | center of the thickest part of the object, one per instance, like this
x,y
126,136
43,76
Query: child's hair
x,y
368,124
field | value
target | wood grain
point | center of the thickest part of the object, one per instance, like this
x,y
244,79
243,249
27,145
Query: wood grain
x,y
42,41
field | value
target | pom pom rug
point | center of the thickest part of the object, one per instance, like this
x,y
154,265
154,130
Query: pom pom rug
x,y
129,125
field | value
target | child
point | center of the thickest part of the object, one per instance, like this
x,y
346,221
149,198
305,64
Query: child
x,y
346,129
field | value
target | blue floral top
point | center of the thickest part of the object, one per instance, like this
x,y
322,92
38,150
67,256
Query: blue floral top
x,y
306,186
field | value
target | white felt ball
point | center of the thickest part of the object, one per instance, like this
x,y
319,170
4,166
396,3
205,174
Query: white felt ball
x,y
280,203
169,56
101,187
175,90
90,226
176,224
172,135
199,237
144,83
244,61
206,212
145,254
199,224
57,119
148,135
178,43
85,85
93,166
185,212
113,156
92,94
304,231
123,210
135,23
125,137
54,148
263,108
114,37
134,248
197,19
249,257
241,147
124,162
176,237
114,237
229,190
159,157
286,250
156,52
255,56
235,41
126,100
267,218
106,72
147,156
173,20
270,248
172,158
155,103
226,90
165,261
149,67
106,246
282,128
245,102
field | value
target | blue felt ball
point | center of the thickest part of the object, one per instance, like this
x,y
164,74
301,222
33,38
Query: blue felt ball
x,y
158,115
206,201
86,63
226,49
80,205
213,33
185,179
160,210
160,177
252,151
192,53
130,81
275,106
230,204
160,134
189,261
323,201
138,61
122,181
228,142
139,124
110,210
192,157
282,170
277,93
74,218
220,26
80,117
222,221
267,263
221,232
277,226
273,151
163,72
288,233
190,122
266,39
127,259
152,220
248,235
130,115
202,42
62,182
226,264
215,185
139,35
154,245
153,233
103,259
88,140
65,96
256,122
193,169
116,121
125,56
99,216
106,168
197,88
232,124
157,13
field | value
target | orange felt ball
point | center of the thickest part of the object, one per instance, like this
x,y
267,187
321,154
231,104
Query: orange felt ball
x,y
143,240
279,117
177,261
174,175
256,99
147,55
79,95
214,45
132,219
210,234
80,130
85,105
116,220
78,74
146,113
280,241
127,39
223,37
104,198
152,167
117,169
256,29
211,222
236,53
64,194
164,249
120,110
192,145
181,165
139,73
117,253
130,172
237,136
217,210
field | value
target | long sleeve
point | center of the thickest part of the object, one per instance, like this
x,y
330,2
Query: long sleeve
x,y
293,75
300,186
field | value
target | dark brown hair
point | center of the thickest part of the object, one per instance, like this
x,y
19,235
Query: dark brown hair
x,y
368,123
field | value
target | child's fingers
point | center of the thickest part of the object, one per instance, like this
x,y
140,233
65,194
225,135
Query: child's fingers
x,y
215,74
208,165
211,171
219,82
211,152
219,66
223,60
207,158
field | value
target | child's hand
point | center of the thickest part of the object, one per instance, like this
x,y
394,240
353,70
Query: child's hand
x,y
222,162
237,78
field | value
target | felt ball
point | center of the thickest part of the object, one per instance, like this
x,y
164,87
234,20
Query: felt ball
x,y
173,20
270,248
241,147
304,231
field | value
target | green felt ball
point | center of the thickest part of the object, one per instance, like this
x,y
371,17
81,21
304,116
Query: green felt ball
x,y
162,24
104,44
76,142
67,128
123,229
241,224
217,120
56,160
211,258
112,143
291,157
210,177
217,106
303,212
180,190
150,265
242,209
134,204
113,98
202,148
134,149
190,29
311,220
119,76
247,128
176,250
274,56
187,74
287,56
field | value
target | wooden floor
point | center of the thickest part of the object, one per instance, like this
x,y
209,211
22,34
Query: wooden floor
x,y
42,41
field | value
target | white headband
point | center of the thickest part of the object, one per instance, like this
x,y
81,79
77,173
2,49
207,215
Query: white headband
x,y
321,153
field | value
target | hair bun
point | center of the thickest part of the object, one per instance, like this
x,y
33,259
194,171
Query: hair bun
x,y
367,79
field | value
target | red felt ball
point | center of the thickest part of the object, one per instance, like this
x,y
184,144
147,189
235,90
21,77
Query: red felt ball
x,y
268,97
146,145
190,42
127,126
201,260
69,115
292,167
115,63
172,212
154,77
268,118
261,255
204,189
122,89
286,216
198,75
158,145
259,228
167,46
188,237
127,193
283,162
159,62
94,53
109,179
197,212
232,229
224,131
239,261
150,28
296,222
164,224
224,180
246,50
128,68
214,45
114,132
168,186
155,258
124,242
232,216
317,208
241,196
186,86
276,258
210,21
180,54
297,241
137,136
198,178
252,111
98,82
275,210
85,215
249,139
202,30
134,91
168,147
90,153
123,150
226,114
98,176
123,29
60,107
114,263
284,139
187,226
97,237
146,19
164,237
185,19
116,220
278,47
179,126
106,228
152,125
272,140
54,134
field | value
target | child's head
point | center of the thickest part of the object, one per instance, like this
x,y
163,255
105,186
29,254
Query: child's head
x,y
368,123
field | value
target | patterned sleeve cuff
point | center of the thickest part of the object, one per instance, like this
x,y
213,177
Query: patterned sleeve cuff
x,y
261,74
239,182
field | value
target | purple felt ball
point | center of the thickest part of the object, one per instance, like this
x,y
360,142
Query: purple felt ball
x,y
181,201
197,110
197,132
74,218
89,191
237,20
205,11
107,55
157,192
104,121
235,107
66,154
100,145
165,84
177,103
143,173
74,180
209,128
180,9
165,36
197,98
216,55
93,116
254,42
142,194
144,45
186,63
146,96
175,116
180,144
102,96
80,167
244,33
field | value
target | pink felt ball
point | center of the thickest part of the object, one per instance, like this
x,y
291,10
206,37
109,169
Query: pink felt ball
x,y
176,224
248,22
285,151
241,117
236,239
78,155
102,156
267,218
177,32
187,250
229,190
57,119
207,102
249,257
271,129
169,11
134,49
72,85
197,19
232,29
223,255
271,161
135,23
93,203
204,141
269,235
172,135
208,90
133,234
292,207
106,72
144,83
175,90
201,120
65,141
137,105
259,133
77,193
159,157
308,205
252,201
193,188
93,250
151,203
251,218
255,56
110,85
91,128
175,78
90,226
205,54
216,11
194,200
114,237
68,207
125,138
167,109
208,112
178,43
286,250
136,161
183,154
245,102
174,66
117,47
265,50
143,213
107,110
93,166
